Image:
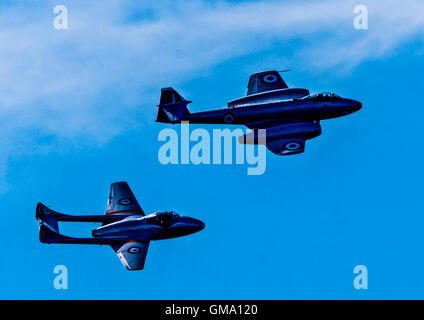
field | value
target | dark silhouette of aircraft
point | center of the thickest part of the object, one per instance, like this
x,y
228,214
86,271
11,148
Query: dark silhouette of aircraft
x,y
290,116
125,227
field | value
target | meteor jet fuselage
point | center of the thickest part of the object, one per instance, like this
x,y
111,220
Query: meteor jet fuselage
x,y
289,115
309,108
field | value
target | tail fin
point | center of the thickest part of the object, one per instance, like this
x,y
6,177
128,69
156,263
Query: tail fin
x,y
172,106
49,228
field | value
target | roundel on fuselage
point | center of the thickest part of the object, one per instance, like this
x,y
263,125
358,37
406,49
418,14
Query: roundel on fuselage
x,y
228,118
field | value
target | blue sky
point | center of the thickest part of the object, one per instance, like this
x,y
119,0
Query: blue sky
x,y
79,109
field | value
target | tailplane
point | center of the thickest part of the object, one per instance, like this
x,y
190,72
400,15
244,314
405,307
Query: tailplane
x,y
172,106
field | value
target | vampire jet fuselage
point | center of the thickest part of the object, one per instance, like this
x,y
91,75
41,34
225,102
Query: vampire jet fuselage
x,y
287,116
125,227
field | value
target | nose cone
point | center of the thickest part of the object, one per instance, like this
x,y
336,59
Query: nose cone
x,y
194,224
357,106
350,106
197,224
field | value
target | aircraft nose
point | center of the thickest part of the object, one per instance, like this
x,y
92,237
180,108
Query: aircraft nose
x,y
351,106
357,106
198,225
194,224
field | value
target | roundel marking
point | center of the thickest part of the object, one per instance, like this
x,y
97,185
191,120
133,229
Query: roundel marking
x,y
293,145
228,118
134,250
270,78
125,201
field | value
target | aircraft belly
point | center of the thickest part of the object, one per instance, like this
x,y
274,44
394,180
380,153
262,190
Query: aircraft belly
x,y
173,233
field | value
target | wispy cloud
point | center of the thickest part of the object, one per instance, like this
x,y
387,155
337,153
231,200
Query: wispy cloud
x,y
116,54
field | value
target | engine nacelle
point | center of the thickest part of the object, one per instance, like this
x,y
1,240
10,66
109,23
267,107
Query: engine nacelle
x,y
269,97
304,130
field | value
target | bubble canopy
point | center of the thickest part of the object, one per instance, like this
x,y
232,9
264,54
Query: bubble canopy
x,y
162,218
322,96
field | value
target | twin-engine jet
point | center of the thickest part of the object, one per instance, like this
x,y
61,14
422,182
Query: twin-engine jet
x,y
290,116
125,227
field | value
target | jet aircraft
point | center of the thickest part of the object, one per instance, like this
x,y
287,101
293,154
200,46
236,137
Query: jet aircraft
x,y
125,227
290,116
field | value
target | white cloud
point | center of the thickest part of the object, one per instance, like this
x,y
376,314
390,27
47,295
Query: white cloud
x,y
114,58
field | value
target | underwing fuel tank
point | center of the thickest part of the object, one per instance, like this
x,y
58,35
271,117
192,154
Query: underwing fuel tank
x,y
307,130
269,96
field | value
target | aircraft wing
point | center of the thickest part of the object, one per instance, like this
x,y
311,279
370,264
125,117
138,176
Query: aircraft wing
x,y
122,201
282,138
287,146
132,254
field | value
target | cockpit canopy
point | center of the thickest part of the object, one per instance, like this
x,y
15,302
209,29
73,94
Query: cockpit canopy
x,y
163,219
322,96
